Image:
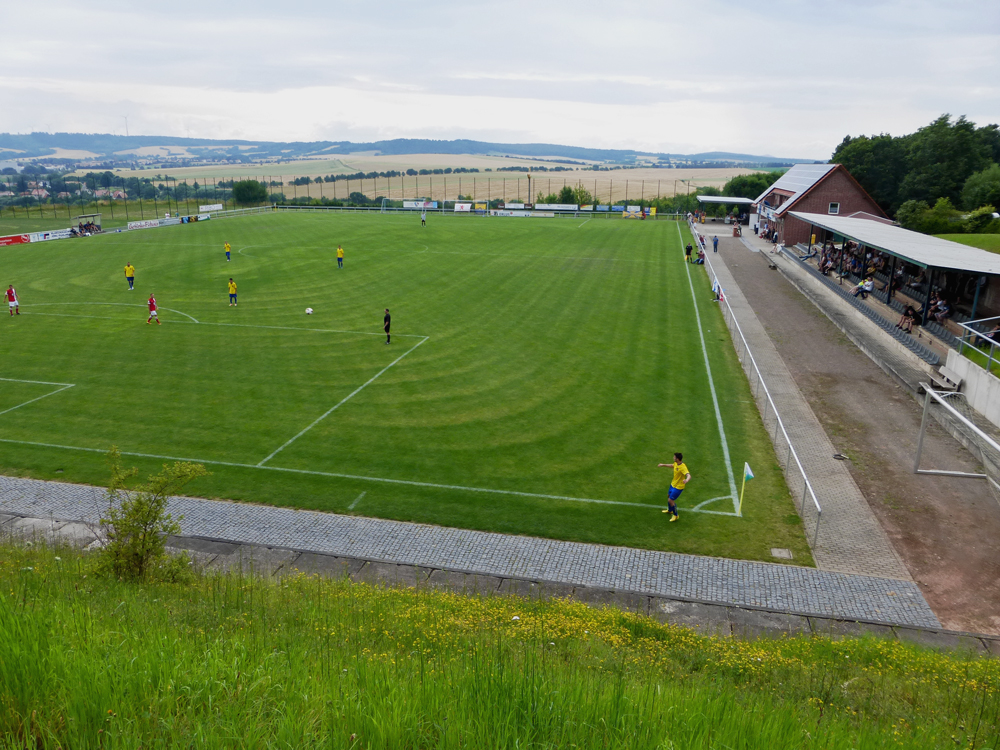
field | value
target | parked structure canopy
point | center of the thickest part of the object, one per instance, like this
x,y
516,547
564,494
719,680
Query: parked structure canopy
x,y
730,200
921,249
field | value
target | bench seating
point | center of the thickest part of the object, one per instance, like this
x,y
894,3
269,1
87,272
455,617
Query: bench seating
x,y
946,379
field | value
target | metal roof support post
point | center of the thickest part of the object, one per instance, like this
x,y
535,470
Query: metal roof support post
x,y
843,252
980,280
926,312
888,286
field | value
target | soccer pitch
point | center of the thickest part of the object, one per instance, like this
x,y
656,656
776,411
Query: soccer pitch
x,y
538,372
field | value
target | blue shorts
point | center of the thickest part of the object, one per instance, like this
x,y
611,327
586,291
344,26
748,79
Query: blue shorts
x,y
674,493
232,297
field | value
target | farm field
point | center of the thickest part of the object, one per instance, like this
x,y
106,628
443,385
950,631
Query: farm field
x,y
619,185
538,372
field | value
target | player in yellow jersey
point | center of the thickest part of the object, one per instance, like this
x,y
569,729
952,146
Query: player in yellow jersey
x,y
340,257
681,477
130,275
232,292
227,251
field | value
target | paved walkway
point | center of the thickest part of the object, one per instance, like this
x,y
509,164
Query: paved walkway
x,y
736,582
851,540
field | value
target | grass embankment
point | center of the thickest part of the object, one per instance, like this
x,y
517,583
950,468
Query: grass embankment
x,y
989,242
233,661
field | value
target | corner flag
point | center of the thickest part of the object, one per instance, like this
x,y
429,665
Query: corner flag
x,y
747,476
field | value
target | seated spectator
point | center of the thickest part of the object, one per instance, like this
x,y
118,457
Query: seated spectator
x,y
907,318
942,312
864,288
993,334
701,257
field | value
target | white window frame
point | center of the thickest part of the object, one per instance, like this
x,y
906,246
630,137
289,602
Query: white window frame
x,y
834,208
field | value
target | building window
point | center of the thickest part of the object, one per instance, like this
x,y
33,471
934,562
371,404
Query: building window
x,y
834,208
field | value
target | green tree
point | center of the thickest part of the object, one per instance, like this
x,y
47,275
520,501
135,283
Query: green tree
x,y
910,215
879,164
566,195
247,192
982,188
136,523
749,185
979,220
942,156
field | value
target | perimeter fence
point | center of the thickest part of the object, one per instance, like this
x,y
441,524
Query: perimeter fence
x,y
801,489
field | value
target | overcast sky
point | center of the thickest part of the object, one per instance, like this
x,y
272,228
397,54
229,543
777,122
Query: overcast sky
x,y
787,78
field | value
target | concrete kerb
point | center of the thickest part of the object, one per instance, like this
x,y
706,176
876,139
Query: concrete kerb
x,y
707,617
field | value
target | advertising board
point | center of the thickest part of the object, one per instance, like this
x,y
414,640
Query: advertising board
x,y
463,207
586,208
514,206
211,207
557,206
147,224
604,208
55,234
14,239
420,204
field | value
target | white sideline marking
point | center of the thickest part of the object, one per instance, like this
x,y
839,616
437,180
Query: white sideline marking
x,y
711,385
357,477
583,223
341,402
106,304
357,500
35,382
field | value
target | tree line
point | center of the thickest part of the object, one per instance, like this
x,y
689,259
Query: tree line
x,y
943,178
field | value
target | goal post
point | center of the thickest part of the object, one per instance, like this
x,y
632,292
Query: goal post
x,y
953,411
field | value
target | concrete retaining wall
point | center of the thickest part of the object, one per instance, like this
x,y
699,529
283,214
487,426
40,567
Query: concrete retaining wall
x,y
981,389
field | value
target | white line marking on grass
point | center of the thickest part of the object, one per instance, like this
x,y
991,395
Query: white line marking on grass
x,y
343,401
63,387
357,500
107,304
711,384
583,223
355,477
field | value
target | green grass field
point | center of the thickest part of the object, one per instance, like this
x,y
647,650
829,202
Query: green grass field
x,y
535,366
989,242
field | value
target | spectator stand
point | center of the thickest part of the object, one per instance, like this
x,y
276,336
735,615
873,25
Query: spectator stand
x,y
742,208
946,282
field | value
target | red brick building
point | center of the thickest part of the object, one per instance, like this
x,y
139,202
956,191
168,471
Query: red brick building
x,y
813,188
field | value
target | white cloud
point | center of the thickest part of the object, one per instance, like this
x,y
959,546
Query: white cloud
x,y
790,78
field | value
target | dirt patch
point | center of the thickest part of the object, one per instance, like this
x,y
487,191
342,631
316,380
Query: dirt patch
x,y
946,530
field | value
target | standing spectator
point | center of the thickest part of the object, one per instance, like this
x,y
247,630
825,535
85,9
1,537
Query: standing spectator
x,y
715,244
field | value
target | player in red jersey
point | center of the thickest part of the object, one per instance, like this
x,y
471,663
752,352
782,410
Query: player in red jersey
x,y
12,301
152,310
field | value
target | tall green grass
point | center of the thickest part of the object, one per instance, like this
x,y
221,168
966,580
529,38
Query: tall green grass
x,y
235,661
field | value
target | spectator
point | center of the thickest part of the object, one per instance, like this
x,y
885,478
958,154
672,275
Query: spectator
x,y
907,318
943,311
864,288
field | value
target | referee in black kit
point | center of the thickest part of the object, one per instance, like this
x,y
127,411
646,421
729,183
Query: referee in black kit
x,y
385,324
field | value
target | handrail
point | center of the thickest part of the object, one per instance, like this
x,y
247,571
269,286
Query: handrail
x,y
807,485
976,338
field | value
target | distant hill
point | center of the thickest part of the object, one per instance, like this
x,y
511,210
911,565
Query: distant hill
x,y
109,148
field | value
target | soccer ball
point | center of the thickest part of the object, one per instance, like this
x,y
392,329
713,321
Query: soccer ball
x,y
309,311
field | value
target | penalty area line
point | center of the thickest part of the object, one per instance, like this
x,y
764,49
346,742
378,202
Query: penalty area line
x,y
64,386
362,478
343,401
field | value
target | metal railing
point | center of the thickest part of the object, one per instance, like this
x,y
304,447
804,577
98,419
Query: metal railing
x,y
973,338
796,478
